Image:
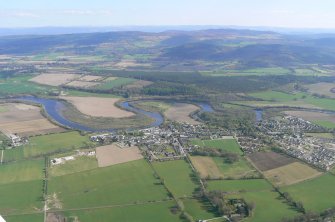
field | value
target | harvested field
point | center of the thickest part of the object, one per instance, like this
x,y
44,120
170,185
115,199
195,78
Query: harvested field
x,y
113,154
90,78
139,84
180,112
290,174
54,79
98,107
82,84
25,120
312,116
206,167
323,88
269,160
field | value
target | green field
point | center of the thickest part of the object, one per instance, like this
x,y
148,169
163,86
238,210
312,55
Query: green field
x,y
239,185
152,212
88,94
21,85
46,144
21,171
316,195
80,164
324,123
120,81
25,218
268,206
177,176
13,154
250,72
199,210
119,184
236,170
296,99
228,145
22,197
154,106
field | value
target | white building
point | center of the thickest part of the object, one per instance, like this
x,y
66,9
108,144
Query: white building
x,y
1,219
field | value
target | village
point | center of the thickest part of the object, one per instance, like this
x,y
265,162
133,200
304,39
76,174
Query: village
x,y
290,135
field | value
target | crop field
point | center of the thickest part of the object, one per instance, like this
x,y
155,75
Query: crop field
x,y
180,112
138,84
82,84
239,185
131,182
112,154
322,119
228,145
237,170
55,79
290,174
322,88
47,144
153,106
269,160
21,171
316,195
98,107
113,83
268,204
22,197
90,78
136,213
25,120
206,167
177,176
80,164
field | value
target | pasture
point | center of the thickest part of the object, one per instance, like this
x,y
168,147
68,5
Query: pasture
x,y
322,88
138,84
22,197
239,185
136,213
268,204
80,164
98,107
322,119
52,143
54,79
21,171
228,145
206,167
90,78
114,82
119,184
180,112
177,176
269,160
82,84
290,174
316,195
199,210
112,154
25,218
237,170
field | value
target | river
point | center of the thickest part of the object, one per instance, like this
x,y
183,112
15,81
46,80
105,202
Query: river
x,y
53,108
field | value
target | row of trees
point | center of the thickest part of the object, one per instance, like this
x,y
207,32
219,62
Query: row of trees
x,y
206,151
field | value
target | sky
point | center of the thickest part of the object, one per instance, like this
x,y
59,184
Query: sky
x,y
271,13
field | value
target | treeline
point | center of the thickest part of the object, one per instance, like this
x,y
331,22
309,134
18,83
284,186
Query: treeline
x,y
221,83
206,151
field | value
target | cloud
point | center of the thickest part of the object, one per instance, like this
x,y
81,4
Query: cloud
x,y
19,14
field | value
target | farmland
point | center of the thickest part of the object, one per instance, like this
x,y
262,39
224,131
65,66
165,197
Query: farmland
x,y
316,195
228,145
131,182
25,120
181,112
98,107
113,154
206,167
177,176
56,79
239,185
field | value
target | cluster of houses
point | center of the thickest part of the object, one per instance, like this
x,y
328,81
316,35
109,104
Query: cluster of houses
x,y
289,134
167,142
